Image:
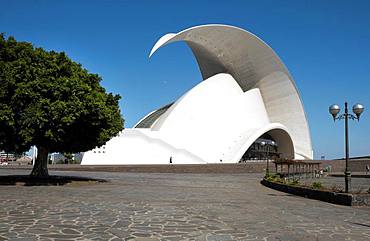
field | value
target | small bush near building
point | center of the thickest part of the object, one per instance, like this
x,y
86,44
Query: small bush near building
x,y
274,178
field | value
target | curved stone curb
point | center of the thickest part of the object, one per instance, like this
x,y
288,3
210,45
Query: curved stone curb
x,y
326,196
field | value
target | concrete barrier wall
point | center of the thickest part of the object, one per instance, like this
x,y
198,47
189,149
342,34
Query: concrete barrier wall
x,y
190,168
354,165
248,167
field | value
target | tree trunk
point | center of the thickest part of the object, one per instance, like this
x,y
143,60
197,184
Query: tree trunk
x,y
40,167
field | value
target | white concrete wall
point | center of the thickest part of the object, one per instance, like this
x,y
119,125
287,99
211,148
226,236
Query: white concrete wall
x,y
214,121
134,146
223,115
209,119
280,98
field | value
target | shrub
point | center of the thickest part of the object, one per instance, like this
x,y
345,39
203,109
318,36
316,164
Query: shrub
x,y
336,188
317,185
270,178
273,178
295,182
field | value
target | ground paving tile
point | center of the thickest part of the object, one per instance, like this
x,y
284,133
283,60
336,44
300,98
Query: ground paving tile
x,y
172,206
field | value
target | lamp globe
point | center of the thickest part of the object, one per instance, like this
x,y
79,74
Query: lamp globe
x,y
334,110
358,109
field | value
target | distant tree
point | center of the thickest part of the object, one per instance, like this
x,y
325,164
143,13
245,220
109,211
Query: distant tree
x,y
68,157
50,101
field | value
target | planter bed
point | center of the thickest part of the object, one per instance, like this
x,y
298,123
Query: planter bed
x,y
326,196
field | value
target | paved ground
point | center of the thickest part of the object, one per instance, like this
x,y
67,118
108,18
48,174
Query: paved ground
x,y
149,206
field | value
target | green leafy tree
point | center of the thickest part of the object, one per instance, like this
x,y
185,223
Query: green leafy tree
x,y
50,101
68,157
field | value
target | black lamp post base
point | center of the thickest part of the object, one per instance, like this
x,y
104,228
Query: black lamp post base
x,y
347,179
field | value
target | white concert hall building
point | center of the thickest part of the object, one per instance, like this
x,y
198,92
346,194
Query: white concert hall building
x,y
247,102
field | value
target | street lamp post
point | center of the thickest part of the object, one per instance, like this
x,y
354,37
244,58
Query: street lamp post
x,y
357,110
263,144
267,159
267,146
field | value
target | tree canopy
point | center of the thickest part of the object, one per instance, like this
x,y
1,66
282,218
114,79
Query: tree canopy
x,y
50,101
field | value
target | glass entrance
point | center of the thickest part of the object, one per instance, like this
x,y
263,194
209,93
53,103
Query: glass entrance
x,y
265,147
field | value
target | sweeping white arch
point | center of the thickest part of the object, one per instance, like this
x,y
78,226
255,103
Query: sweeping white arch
x,y
253,64
246,92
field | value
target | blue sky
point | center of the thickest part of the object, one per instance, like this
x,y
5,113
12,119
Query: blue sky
x,y
324,44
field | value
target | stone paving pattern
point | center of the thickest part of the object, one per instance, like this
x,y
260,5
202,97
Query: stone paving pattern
x,y
150,206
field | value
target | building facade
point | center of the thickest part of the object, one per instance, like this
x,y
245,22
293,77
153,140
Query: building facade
x,y
247,99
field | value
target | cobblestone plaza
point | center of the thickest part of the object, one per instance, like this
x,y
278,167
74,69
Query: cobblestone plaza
x,y
171,206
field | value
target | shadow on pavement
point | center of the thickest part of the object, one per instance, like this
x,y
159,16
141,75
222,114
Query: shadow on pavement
x,y
279,195
26,180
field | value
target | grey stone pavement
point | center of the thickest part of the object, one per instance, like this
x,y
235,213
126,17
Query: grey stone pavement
x,y
153,206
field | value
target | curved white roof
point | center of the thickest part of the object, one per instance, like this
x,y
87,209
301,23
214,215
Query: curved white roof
x,y
253,64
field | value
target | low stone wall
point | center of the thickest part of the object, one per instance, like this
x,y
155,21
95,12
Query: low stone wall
x,y
326,196
358,165
339,165
253,167
190,168
336,165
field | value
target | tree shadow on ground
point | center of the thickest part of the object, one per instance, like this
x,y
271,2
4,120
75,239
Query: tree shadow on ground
x,y
26,180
